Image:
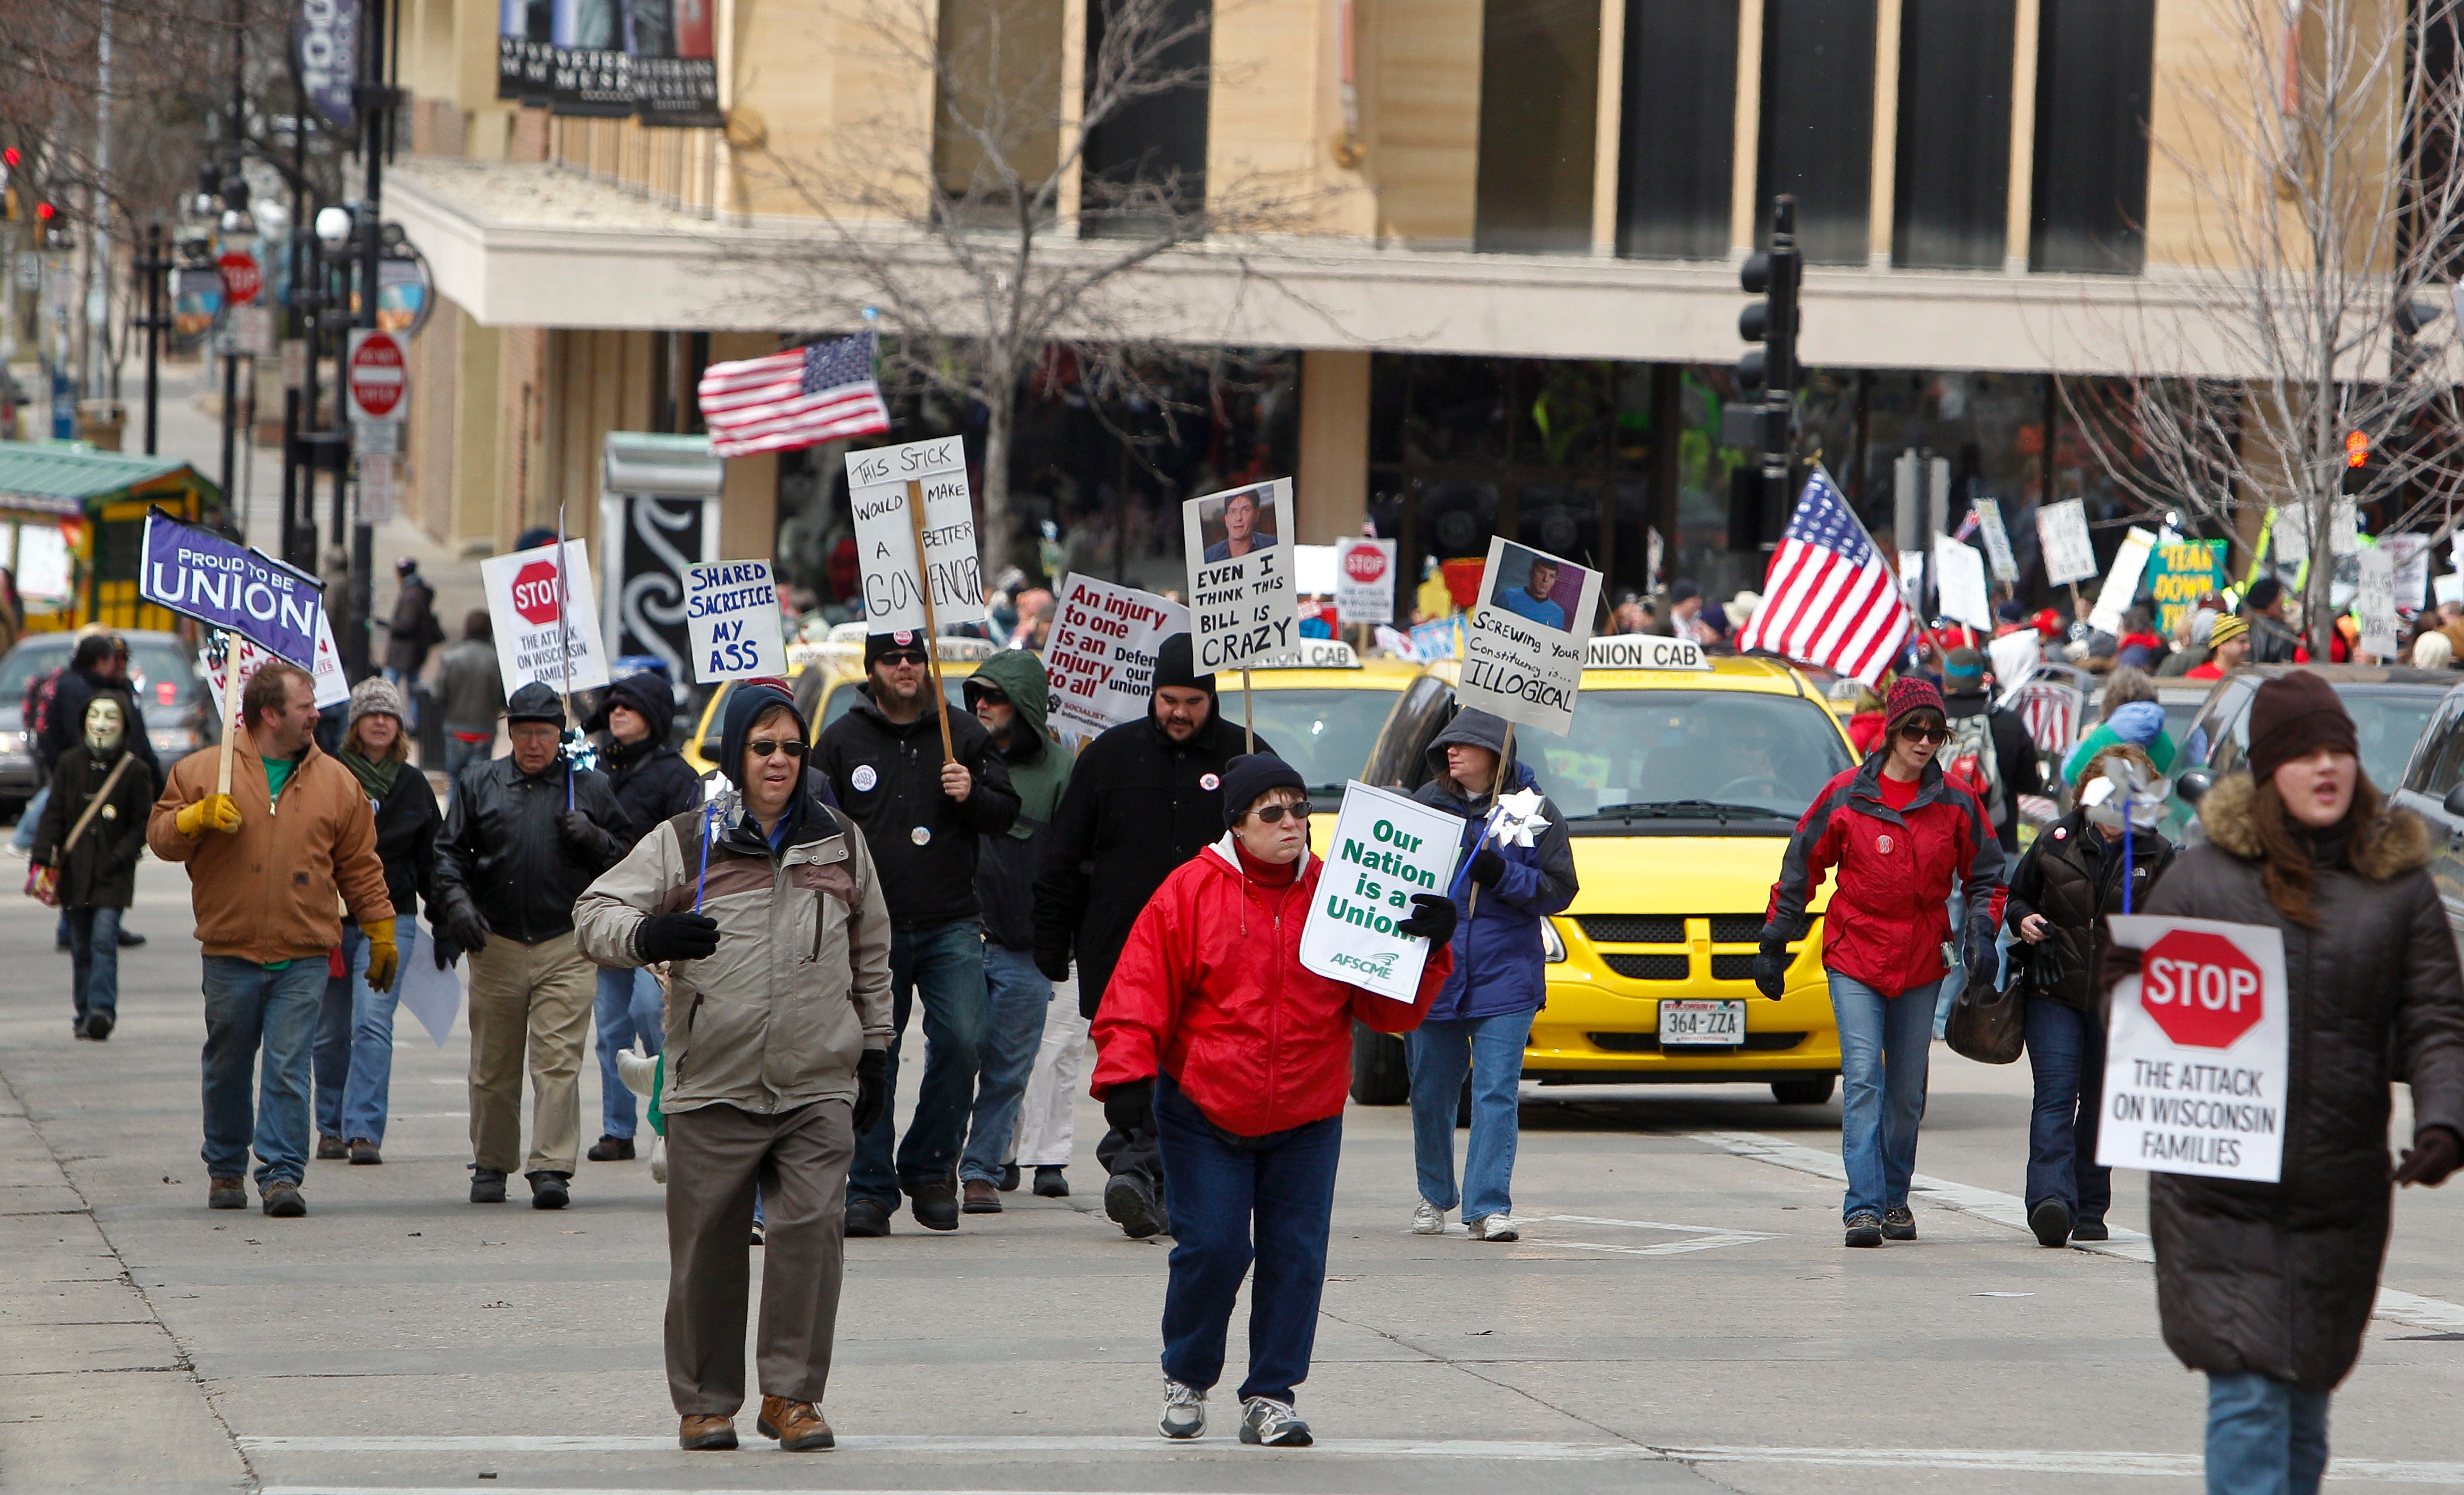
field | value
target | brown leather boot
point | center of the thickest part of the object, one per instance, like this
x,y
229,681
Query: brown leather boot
x,y
797,1425
705,1431
981,1197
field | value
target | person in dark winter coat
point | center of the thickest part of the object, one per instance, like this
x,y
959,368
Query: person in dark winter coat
x,y
1481,1017
922,817
2267,1286
651,782
354,1046
1144,798
2064,887
470,694
413,630
1904,834
95,880
99,666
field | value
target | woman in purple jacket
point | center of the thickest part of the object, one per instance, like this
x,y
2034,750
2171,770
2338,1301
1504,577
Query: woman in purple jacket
x,y
1483,1015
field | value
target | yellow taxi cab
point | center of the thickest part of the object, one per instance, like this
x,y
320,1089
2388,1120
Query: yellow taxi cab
x,y
825,676
1322,709
1680,783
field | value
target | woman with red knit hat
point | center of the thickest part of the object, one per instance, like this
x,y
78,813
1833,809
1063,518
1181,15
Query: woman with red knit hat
x,y
1900,834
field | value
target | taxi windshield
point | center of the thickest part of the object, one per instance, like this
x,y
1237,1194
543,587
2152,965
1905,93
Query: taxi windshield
x,y
1326,734
1688,755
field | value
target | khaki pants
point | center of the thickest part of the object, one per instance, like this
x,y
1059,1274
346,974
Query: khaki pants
x,y
715,1156
534,999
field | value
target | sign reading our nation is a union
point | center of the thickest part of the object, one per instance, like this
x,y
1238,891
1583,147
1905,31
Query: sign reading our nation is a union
x,y
198,574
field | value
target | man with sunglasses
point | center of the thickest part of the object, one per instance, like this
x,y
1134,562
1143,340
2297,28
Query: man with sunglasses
x,y
922,817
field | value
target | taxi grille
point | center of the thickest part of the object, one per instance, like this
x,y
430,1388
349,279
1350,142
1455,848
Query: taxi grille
x,y
1736,929
1732,968
1648,968
1634,929
1649,1044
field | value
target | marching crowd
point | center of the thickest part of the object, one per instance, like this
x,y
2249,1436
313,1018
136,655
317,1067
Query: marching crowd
x,y
758,953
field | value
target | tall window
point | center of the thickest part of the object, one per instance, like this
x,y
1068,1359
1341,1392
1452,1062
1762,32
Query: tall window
x,y
1157,143
1818,126
1677,133
1952,187
2095,62
999,109
1539,104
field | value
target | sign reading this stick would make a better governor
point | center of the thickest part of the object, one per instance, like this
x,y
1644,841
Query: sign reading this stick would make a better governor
x,y
2195,1068
1387,846
894,577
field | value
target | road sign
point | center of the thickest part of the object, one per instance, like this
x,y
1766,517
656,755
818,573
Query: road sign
x,y
242,279
375,374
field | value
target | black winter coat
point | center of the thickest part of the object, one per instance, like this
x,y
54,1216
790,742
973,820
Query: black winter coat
x,y
1139,805
101,872
652,782
2066,877
2278,1278
500,845
889,780
407,823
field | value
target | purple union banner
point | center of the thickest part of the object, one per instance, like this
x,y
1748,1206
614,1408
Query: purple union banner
x,y
198,574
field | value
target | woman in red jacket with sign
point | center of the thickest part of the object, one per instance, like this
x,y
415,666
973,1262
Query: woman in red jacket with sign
x,y
1213,1038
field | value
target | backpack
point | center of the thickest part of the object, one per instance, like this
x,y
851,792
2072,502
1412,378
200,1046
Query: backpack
x,y
1969,756
39,693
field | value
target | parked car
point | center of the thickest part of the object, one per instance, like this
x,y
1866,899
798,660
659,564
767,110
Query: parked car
x,y
2392,705
2433,787
170,687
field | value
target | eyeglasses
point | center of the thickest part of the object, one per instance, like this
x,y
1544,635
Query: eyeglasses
x,y
1273,814
763,747
1930,735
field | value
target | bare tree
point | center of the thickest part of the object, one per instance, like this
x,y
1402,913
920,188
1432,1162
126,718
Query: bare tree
x,y
997,218
2328,226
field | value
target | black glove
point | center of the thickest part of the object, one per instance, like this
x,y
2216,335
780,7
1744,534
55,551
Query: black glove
x,y
681,935
1487,868
1770,970
461,926
1054,966
447,953
1433,918
1131,1107
1978,953
871,1089
2435,1153
582,837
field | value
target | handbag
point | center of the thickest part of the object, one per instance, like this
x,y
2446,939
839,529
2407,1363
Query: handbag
x,y
1988,1025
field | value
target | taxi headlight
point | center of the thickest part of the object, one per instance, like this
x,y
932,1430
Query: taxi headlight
x,y
1552,949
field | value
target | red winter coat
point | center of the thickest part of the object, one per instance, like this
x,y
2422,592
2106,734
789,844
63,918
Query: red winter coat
x,y
1891,911
1210,990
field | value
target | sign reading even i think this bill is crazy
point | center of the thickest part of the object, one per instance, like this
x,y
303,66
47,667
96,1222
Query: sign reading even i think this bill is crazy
x,y
198,574
1387,847
1243,597
731,619
2195,1056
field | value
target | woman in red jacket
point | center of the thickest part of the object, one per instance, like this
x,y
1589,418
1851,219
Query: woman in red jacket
x,y
1213,1038
1900,834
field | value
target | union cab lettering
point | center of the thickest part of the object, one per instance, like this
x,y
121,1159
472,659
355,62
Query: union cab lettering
x,y
1645,651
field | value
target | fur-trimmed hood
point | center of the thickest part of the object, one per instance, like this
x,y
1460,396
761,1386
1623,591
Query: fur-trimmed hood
x,y
2398,843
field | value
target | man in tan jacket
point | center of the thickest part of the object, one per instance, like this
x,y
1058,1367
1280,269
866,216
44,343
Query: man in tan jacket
x,y
267,864
770,918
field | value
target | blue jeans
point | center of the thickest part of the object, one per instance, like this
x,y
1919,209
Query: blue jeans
x,y
2066,1052
944,963
1885,1045
355,1043
403,680
94,956
249,1009
29,820
460,755
1439,1052
1016,997
1214,1190
2265,1437
628,1007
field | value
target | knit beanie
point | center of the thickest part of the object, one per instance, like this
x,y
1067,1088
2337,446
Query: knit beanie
x,y
1176,665
2137,723
1248,777
1963,672
2226,630
1908,694
376,695
877,644
2292,717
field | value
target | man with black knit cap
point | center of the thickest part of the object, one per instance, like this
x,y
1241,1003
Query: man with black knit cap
x,y
1144,797
923,818
769,915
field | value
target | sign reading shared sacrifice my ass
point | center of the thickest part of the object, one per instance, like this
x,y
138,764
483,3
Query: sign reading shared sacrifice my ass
x,y
1387,846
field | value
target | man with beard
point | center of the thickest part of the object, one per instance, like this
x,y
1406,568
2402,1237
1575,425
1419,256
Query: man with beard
x,y
1144,797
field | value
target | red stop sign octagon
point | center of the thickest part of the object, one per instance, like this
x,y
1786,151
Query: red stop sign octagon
x,y
1364,563
2200,989
242,279
534,591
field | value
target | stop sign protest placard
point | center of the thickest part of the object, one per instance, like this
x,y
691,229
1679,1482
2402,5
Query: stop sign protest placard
x,y
535,592
2195,1070
374,375
242,279
1364,580
546,623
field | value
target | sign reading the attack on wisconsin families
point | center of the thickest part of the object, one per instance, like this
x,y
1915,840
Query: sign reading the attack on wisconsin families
x,y
1387,846
1523,648
902,557
546,619
731,619
198,574
1242,595
1101,653
2195,1064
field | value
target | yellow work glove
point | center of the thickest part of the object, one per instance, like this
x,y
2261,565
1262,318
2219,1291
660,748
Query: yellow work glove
x,y
383,959
213,812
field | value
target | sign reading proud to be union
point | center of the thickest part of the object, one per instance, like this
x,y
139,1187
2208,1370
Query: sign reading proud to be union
x,y
198,574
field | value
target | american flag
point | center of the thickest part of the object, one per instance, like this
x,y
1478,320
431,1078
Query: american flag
x,y
797,398
1828,599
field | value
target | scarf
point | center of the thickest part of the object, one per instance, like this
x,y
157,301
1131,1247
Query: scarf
x,y
375,777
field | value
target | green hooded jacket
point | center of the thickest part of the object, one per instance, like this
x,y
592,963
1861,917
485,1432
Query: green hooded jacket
x,y
1039,770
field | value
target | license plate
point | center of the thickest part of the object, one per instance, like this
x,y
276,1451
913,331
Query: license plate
x,y
1714,1024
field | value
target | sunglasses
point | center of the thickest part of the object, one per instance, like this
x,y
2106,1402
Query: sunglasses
x,y
1933,737
763,747
1273,814
901,656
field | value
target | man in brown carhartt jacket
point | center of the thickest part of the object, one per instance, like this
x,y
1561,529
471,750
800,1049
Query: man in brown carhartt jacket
x,y
265,865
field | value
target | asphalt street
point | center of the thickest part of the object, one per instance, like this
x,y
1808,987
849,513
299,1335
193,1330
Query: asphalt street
x,y
1679,1316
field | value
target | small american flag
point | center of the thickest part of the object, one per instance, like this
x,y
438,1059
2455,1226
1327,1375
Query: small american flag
x,y
797,398
1828,599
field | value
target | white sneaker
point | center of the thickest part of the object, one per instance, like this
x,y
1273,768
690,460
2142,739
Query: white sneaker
x,y
1427,1219
1273,1424
1492,1227
1185,1411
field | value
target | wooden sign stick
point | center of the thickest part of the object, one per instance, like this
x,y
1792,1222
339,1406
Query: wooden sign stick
x,y
231,710
932,625
1248,717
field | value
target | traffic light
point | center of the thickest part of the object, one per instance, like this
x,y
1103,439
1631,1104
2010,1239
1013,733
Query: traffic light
x,y
1773,275
49,231
2359,469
